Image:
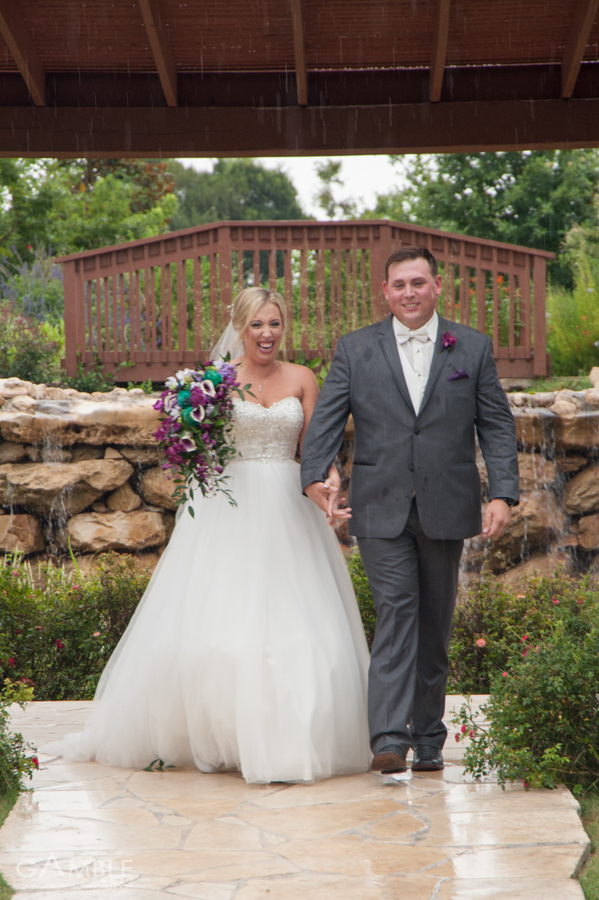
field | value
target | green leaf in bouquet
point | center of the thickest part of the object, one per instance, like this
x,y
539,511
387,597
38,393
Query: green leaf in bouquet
x,y
191,511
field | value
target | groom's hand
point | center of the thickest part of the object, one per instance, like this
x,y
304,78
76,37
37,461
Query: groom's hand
x,y
496,520
325,494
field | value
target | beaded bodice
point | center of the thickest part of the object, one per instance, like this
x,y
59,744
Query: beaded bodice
x,y
268,434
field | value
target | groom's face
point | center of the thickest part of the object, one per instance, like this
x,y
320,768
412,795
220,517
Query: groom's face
x,y
412,291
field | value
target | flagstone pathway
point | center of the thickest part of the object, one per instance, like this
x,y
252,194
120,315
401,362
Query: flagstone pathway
x,y
88,832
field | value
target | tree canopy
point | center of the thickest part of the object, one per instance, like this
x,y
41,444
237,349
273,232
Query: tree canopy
x,y
73,205
532,198
234,189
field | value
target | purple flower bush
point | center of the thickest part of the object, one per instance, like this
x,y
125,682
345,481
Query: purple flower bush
x,y
195,432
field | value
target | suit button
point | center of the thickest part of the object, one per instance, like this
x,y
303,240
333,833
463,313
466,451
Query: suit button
x,y
416,431
411,468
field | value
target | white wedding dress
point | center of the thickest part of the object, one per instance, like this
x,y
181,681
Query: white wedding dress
x,y
247,648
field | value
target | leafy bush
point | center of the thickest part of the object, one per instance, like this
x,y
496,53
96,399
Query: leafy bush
x,y
363,594
57,632
573,321
34,287
25,351
543,710
16,760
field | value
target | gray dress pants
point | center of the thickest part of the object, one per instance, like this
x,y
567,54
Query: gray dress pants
x,y
414,583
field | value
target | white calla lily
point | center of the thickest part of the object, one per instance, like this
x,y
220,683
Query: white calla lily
x,y
208,388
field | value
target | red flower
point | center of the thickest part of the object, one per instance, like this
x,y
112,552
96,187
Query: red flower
x,y
504,674
481,643
11,661
555,600
524,639
35,762
471,732
464,729
457,737
524,652
38,627
59,644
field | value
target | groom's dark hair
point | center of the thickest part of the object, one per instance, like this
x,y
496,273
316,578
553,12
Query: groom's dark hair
x,y
404,253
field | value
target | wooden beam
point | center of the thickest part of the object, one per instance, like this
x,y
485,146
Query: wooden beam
x,y
299,51
22,50
577,42
439,50
163,57
137,132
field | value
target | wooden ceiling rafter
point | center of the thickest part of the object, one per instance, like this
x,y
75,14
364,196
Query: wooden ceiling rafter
x,y
299,52
580,31
23,51
439,55
159,44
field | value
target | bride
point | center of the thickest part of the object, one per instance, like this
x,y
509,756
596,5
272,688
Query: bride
x,y
247,648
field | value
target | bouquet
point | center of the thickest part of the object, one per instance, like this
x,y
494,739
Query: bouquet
x,y
195,432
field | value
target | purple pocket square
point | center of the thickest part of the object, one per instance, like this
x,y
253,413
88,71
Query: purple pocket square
x,y
458,375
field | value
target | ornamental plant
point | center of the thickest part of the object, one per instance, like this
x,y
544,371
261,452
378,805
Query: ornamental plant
x,y
17,759
543,711
58,630
196,430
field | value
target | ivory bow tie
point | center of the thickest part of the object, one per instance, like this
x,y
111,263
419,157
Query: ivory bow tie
x,y
421,334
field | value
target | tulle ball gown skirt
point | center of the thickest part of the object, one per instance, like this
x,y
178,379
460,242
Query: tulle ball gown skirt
x,y
247,649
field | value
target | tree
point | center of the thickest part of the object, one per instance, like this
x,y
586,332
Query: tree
x,y
234,189
532,198
329,173
71,205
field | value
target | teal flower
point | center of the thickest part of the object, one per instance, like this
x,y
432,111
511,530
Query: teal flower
x,y
184,398
213,376
187,415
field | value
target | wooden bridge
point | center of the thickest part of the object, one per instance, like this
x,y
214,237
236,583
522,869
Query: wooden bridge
x,y
161,303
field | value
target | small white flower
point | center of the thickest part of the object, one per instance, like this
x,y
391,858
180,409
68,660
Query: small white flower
x,y
171,383
218,364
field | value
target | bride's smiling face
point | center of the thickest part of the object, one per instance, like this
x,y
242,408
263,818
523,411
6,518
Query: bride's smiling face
x,y
263,335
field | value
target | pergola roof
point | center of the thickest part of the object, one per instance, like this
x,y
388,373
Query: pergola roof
x,y
150,77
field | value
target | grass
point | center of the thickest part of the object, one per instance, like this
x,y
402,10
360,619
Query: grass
x,y
589,879
561,383
7,801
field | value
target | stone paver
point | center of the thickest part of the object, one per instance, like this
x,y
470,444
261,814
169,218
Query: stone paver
x,y
90,831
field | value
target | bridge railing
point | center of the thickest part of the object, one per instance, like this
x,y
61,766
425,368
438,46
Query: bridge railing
x,y
161,303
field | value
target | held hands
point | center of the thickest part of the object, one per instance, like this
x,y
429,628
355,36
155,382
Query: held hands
x,y
496,520
325,494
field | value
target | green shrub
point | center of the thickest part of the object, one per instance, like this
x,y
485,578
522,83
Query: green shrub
x,y
363,594
16,760
543,711
573,321
57,635
25,350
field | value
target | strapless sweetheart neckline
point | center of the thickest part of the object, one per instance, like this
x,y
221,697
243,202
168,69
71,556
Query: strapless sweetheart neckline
x,y
268,408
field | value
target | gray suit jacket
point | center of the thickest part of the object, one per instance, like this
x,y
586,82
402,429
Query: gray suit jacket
x,y
400,455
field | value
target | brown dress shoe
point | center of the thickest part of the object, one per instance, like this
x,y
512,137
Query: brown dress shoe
x,y
389,760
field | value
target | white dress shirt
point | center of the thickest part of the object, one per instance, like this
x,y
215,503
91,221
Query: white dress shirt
x,y
416,348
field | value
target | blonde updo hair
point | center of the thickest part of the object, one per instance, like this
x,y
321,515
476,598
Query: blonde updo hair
x,y
249,301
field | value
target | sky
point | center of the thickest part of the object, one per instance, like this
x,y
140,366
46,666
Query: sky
x,y
364,177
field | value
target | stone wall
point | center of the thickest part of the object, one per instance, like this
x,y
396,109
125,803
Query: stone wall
x,y
81,468
86,468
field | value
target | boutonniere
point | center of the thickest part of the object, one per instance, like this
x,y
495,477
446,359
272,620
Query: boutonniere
x,y
448,340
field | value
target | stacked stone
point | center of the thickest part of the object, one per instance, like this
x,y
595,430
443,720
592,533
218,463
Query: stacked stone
x,y
81,468
85,469
558,516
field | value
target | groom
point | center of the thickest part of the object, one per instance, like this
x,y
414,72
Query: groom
x,y
419,388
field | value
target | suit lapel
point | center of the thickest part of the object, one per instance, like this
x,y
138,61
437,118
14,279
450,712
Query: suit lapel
x,y
439,360
389,348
